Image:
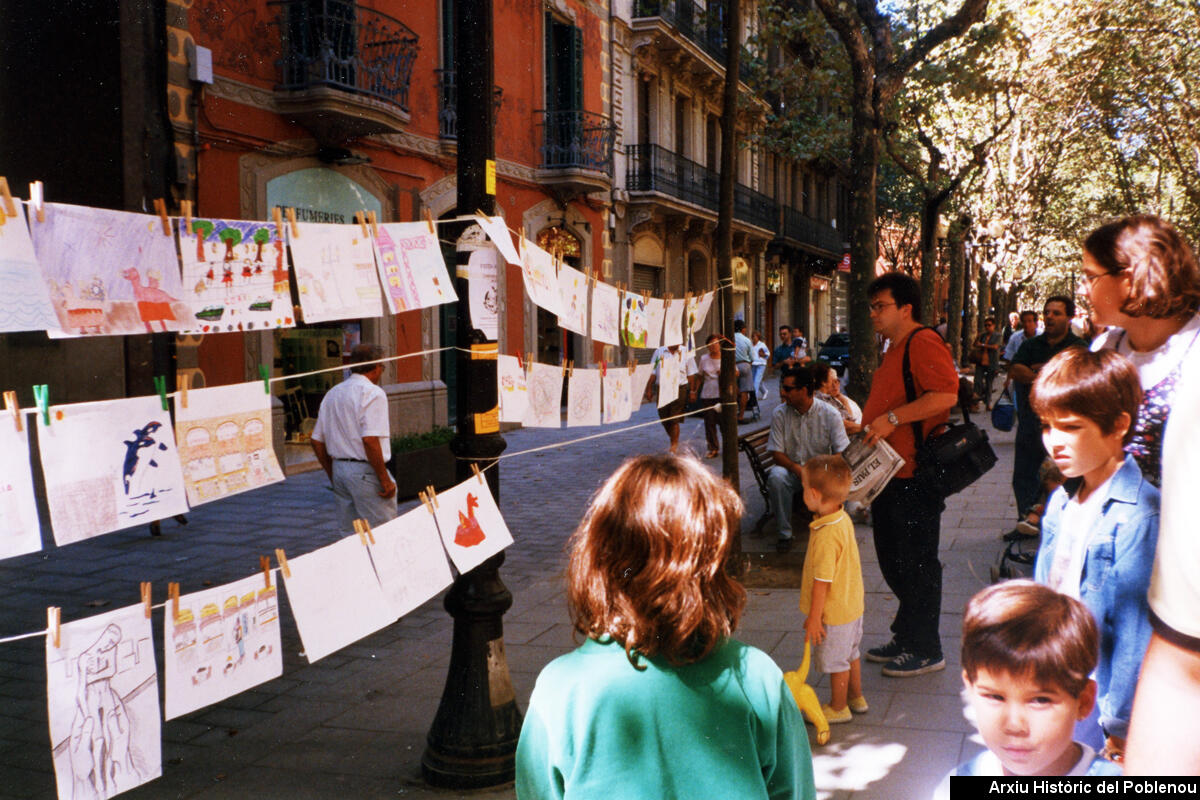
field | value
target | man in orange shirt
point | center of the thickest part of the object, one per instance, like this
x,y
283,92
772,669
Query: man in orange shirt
x,y
906,515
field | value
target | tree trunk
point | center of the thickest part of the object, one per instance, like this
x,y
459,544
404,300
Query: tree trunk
x,y
984,295
863,253
954,314
930,208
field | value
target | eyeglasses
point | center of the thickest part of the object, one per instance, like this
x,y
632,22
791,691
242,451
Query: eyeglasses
x,y
1086,279
877,307
786,388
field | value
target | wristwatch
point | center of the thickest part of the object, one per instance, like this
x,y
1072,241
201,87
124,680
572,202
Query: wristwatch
x,y
892,418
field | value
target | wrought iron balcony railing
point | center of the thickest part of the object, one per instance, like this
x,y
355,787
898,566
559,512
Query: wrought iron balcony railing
x,y
577,140
702,25
755,208
448,103
809,231
337,44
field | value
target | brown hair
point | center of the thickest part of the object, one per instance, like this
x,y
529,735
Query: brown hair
x,y
364,353
1026,629
647,563
1164,276
1095,385
829,475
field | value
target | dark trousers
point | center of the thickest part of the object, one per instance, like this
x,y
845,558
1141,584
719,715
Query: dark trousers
x,y
907,521
1028,454
984,376
710,427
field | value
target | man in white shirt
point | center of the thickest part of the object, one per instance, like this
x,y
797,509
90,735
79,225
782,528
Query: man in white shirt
x,y
352,441
687,376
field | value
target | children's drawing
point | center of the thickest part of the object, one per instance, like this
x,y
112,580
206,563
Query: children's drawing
x,y
411,267
583,398
109,465
541,276
224,641
24,300
484,292
633,319
235,276
335,597
512,389
225,444
668,378
109,272
572,300
655,311
703,304
606,313
470,524
545,396
102,692
335,272
19,531
618,404
409,560
497,231
673,322
641,379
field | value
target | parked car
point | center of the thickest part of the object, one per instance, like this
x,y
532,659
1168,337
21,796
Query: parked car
x,y
836,352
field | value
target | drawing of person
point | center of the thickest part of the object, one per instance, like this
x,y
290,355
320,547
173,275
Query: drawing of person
x,y
142,438
101,761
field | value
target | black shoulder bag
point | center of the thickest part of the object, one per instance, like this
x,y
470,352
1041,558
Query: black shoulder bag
x,y
953,456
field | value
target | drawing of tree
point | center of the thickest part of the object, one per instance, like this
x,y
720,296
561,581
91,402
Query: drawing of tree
x,y
261,237
203,228
231,237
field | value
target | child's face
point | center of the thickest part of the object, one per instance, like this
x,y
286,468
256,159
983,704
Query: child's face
x,y
1030,728
1077,445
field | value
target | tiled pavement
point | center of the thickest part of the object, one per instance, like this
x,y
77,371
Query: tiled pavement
x,y
354,723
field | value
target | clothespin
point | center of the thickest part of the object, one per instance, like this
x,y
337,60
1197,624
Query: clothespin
x,y
265,374
520,364
603,369
186,207
160,208
160,386
264,563
37,200
645,295
632,366
361,218
477,471
431,493
183,381
173,593
425,501
281,557
146,598
41,393
291,217
529,359
564,368
10,403
278,214
428,215
54,625
10,207
570,368
373,221
363,529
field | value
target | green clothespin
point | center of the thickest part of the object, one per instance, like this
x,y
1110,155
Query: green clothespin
x,y
266,377
41,393
160,385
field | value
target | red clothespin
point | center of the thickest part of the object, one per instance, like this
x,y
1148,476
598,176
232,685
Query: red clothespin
x,y
520,363
603,368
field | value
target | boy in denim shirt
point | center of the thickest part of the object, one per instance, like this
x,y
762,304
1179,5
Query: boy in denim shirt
x,y
1101,526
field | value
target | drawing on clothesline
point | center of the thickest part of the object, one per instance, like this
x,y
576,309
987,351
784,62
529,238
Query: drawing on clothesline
x,y
411,267
102,694
25,301
583,398
673,322
655,311
484,292
633,319
470,524
572,300
335,272
235,276
109,272
512,389
606,313
409,560
618,404
545,396
540,274
497,231
19,530
641,379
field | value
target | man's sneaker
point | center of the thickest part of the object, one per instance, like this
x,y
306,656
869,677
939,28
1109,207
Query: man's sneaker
x,y
884,653
907,665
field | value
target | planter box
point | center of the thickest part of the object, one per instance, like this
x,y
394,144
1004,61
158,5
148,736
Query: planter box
x,y
413,470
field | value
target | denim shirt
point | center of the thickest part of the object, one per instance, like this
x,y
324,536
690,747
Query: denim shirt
x,y
1116,575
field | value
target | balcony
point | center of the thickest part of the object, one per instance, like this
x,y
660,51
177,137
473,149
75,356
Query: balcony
x,y
755,208
702,26
577,149
810,232
448,103
344,70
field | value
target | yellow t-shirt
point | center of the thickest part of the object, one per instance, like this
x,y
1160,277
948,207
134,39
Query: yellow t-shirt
x,y
832,556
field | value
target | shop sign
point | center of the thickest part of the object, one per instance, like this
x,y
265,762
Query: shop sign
x,y
774,280
844,264
818,284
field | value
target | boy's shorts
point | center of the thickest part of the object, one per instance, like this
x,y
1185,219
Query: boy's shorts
x,y
839,647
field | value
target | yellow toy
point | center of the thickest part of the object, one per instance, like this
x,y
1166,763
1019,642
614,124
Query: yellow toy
x,y
806,698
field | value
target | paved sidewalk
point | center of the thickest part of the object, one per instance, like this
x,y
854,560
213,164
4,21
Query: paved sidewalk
x,y
354,723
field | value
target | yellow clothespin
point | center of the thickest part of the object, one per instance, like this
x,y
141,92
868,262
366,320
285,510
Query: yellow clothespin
x,y
146,598
428,215
10,403
570,368
425,501
432,494
264,563
632,366
37,199
186,207
278,214
281,557
363,529
160,208
54,625
173,593
478,472
184,382
361,218
10,207
529,360
291,217
373,221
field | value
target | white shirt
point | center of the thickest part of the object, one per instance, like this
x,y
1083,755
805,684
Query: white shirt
x,y
1154,365
760,353
687,365
710,370
1076,528
351,410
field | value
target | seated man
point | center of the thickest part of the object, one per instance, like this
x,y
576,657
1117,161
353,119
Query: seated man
x,y
801,428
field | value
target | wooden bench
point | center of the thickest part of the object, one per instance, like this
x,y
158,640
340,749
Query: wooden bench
x,y
754,445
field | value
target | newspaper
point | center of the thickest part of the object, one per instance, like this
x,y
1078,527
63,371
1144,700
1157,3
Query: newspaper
x,y
871,467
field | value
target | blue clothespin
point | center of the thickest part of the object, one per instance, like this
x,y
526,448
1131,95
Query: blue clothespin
x,y
266,377
160,385
41,393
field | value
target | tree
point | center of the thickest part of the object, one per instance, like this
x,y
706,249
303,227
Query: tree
x,y
261,237
231,237
202,228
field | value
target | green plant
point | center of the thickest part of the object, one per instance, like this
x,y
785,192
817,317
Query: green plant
x,y
419,441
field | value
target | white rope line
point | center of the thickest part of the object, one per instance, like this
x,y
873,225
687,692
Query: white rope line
x,y
18,638
342,367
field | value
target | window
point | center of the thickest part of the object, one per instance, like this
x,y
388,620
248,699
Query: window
x,y
564,66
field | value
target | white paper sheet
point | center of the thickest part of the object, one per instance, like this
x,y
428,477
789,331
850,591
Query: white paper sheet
x,y
668,380
224,438
655,311
411,267
618,404
497,231
225,641
572,300
545,396
109,465
235,276
540,275
633,319
583,398
335,272
673,322
19,531
700,312
409,560
24,299
470,524
102,695
606,314
485,294
335,597
109,272
512,389
641,379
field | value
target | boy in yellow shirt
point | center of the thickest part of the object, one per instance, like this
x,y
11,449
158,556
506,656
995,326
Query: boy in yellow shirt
x,y
831,586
